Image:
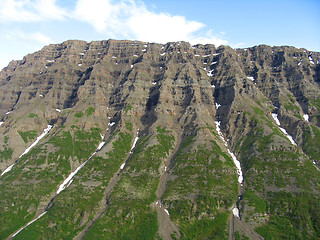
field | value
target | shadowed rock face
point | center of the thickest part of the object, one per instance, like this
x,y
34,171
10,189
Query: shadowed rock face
x,y
171,97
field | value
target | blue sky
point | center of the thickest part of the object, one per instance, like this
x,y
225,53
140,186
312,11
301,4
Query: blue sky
x,y
28,25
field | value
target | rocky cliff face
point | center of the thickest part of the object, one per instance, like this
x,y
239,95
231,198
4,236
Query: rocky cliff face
x,y
150,141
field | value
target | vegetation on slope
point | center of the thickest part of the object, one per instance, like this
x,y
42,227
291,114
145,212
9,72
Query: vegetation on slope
x,y
281,183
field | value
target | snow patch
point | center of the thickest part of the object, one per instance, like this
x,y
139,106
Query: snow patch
x,y
100,146
167,212
28,224
1,123
79,64
135,142
300,62
215,54
251,78
154,83
236,162
235,212
45,131
311,60
7,113
162,54
206,55
69,183
288,136
68,180
50,61
197,55
275,117
306,117
111,124
131,66
218,105
214,63
40,95
58,110
238,165
210,73
8,169
122,166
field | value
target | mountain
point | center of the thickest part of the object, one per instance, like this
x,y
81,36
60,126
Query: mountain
x,y
134,140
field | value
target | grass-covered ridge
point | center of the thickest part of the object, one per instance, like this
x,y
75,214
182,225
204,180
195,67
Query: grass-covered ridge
x,y
28,135
6,152
204,189
280,182
129,215
39,173
86,195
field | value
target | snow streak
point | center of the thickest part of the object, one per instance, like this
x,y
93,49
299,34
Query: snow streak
x,y
45,131
132,147
66,183
28,224
134,143
275,117
235,212
8,169
236,162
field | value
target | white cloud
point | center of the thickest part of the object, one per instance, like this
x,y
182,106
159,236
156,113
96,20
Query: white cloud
x,y
122,19
149,26
40,38
129,19
33,37
30,10
95,12
19,44
49,10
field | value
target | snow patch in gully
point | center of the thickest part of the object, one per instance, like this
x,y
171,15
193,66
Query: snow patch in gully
x,y
45,131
